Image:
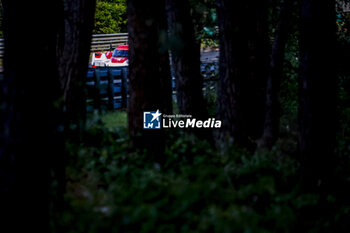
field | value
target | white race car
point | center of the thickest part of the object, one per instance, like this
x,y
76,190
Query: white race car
x,y
99,59
119,56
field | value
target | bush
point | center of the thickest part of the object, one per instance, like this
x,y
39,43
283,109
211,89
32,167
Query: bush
x,y
110,189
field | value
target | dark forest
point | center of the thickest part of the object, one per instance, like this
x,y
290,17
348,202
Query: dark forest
x,y
279,161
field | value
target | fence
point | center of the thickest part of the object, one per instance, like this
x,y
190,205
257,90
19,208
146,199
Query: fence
x,y
107,88
100,42
104,42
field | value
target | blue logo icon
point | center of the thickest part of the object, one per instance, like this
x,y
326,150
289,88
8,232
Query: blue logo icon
x,y
151,120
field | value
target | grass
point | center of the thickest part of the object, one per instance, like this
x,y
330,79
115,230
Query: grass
x,y
115,119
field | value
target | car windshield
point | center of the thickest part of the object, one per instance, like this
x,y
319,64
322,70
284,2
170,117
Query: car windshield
x,y
120,53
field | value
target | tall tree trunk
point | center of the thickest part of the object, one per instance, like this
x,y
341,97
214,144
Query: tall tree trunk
x,y
73,49
73,41
165,74
244,59
273,106
145,80
185,54
29,91
317,106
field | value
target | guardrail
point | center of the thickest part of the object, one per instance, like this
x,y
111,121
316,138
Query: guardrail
x,y
100,42
104,42
106,88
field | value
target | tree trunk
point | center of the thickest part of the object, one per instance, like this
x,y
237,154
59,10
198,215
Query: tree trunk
x,y
273,106
185,54
73,49
29,123
165,74
145,80
317,103
244,58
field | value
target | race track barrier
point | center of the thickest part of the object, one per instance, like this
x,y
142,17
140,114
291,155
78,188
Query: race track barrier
x,y
107,88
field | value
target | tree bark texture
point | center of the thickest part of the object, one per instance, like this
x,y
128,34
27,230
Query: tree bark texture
x,y
317,103
185,54
146,74
29,123
273,105
165,74
73,40
73,49
244,60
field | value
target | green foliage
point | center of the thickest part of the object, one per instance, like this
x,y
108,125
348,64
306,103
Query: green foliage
x,y
113,189
113,120
204,17
110,17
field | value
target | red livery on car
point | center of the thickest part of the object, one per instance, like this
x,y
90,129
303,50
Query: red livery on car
x,y
119,57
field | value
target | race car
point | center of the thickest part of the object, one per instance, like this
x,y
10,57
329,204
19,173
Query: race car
x,y
99,59
119,56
